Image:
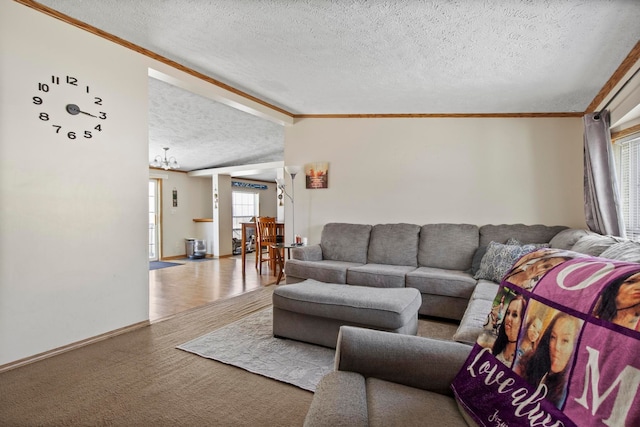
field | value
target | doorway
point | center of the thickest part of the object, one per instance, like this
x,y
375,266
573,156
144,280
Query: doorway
x,y
154,220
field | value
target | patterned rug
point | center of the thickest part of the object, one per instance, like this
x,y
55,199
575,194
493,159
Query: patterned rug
x,y
249,344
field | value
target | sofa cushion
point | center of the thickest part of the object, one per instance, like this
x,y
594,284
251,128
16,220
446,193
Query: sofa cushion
x,y
307,253
498,260
392,404
438,281
486,290
594,244
325,271
623,251
377,308
394,244
378,275
473,321
567,238
525,233
448,246
345,242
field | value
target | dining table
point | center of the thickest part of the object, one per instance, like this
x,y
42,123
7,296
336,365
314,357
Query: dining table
x,y
252,226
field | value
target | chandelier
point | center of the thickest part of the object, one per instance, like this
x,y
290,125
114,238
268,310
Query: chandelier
x,y
165,163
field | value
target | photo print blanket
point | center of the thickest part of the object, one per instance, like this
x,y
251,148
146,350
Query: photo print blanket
x,y
560,347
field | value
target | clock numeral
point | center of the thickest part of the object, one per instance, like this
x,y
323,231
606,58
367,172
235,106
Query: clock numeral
x,y
39,99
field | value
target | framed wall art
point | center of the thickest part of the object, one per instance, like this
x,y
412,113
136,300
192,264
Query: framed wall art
x,y
317,175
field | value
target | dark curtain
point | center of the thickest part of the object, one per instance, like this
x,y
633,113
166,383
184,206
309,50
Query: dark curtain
x,y
601,199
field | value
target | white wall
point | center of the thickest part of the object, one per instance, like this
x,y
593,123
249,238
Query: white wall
x,y
195,200
473,170
73,213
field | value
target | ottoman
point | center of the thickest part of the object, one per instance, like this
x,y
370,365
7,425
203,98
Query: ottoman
x,y
313,311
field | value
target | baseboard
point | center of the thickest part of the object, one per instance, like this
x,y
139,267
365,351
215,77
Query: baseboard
x,y
73,346
168,258
174,257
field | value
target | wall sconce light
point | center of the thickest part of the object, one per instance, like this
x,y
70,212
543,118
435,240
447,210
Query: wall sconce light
x,y
215,198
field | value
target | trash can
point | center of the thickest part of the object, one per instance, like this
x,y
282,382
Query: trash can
x,y
196,248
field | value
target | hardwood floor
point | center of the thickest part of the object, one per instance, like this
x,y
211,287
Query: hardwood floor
x,y
176,289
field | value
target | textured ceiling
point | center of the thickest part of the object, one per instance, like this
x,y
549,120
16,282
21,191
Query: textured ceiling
x,y
370,57
202,133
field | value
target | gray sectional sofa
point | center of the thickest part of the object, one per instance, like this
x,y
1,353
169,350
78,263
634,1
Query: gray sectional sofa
x,y
369,386
436,259
443,261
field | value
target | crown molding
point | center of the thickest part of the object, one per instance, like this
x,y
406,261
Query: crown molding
x,y
438,115
624,67
632,58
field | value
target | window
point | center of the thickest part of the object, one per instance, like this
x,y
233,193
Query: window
x,y
245,206
630,185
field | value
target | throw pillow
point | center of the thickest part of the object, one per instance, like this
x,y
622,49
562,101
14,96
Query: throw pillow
x,y
497,261
567,238
594,244
528,247
625,251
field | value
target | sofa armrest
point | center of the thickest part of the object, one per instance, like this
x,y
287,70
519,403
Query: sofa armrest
x,y
424,363
339,400
307,253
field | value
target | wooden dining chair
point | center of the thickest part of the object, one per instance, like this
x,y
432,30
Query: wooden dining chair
x,y
267,236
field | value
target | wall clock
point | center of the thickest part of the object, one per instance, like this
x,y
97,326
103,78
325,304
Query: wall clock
x,y
69,106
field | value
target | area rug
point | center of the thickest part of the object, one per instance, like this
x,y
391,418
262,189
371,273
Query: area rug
x,y
249,344
155,265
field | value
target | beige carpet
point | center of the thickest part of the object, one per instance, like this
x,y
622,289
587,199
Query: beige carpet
x,y
142,379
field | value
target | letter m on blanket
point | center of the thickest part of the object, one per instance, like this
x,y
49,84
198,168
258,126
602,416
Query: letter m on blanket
x,y
626,383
